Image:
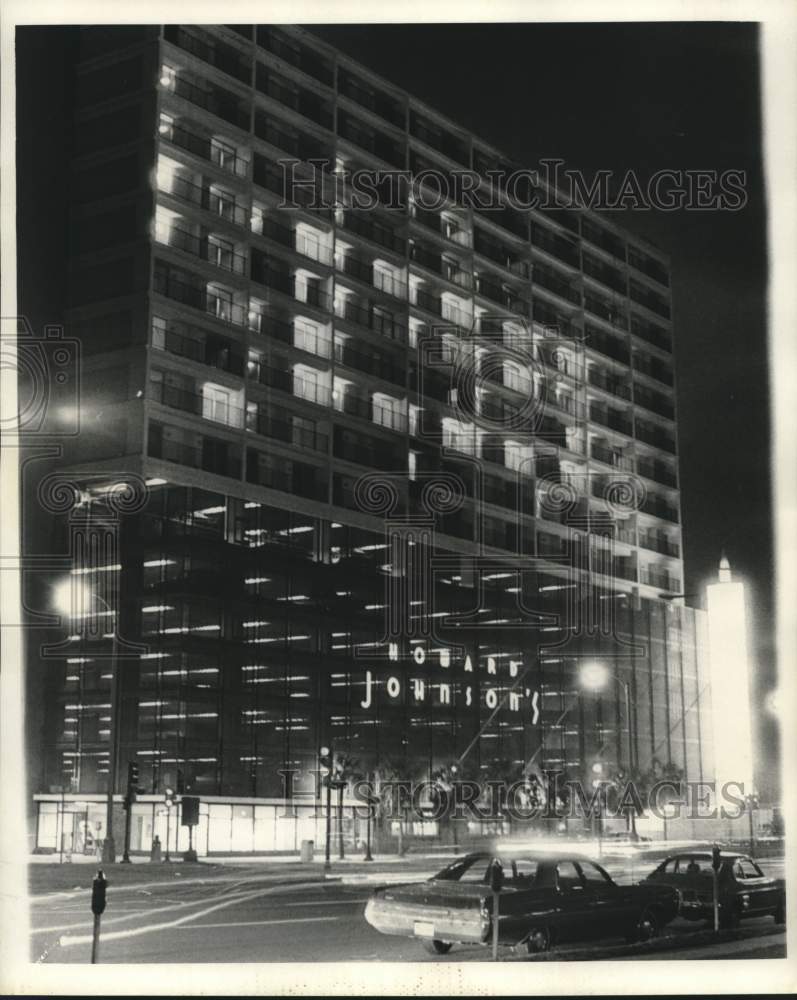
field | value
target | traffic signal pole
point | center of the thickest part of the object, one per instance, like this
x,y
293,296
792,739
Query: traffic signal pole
x,y
327,861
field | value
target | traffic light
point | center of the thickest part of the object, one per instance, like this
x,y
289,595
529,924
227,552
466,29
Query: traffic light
x,y
715,858
132,783
169,793
180,783
325,764
98,887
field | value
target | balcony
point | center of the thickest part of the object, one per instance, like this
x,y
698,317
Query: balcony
x,y
206,248
647,265
375,232
201,347
198,297
656,471
372,364
658,508
215,53
218,203
651,333
604,274
205,406
606,344
204,147
649,299
287,49
613,458
658,543
289,284
215,100
654,402
293,97
603,381
371,316
293,239
547,316
286,381
372,141
653,436
212,457
660,579
296,143
603,238
555,245
502,296
610,418
653,368
379,104
290,433
364,270
610,312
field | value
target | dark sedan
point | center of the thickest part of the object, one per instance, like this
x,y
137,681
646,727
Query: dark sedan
x,y
743,890
545,899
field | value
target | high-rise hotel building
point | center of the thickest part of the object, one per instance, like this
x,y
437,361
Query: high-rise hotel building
x,y
410,468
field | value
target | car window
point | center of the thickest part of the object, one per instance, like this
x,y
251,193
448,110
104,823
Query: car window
x,y
593,875
693,866
524,870
747,869
477,870
471,869
568,875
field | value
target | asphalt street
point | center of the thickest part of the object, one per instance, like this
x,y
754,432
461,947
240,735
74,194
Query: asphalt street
x,y
248,917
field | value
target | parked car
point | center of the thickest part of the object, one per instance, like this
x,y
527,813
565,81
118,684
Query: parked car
x,y
743,889
546,898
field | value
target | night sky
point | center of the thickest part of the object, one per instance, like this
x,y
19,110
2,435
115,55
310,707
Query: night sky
x,y
601,96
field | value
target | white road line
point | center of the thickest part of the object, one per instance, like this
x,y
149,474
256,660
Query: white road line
x,y
259,923
67,941
329,902
182,905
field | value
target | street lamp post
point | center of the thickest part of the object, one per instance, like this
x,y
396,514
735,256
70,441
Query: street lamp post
x,y
595,676
66,593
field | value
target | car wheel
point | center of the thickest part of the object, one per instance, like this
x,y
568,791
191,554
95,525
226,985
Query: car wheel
x,y
436,947
538,941
646,928
780,912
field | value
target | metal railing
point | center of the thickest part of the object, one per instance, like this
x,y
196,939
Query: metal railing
x,y
203,247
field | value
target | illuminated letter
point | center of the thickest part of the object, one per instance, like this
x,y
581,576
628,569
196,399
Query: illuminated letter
x,y
468,695
393,687
491,698
419,654
468,664
490,664
445,694
366,703
393,651
419,689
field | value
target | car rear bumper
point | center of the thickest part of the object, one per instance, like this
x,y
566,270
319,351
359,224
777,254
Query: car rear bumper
x,y
427,922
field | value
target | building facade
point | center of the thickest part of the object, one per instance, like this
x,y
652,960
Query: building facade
x,y
406,468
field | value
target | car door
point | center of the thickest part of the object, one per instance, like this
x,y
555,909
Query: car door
x,y
575,920
760,891
610,906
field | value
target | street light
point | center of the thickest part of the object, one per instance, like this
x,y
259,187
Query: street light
x,y
75,599
595,676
